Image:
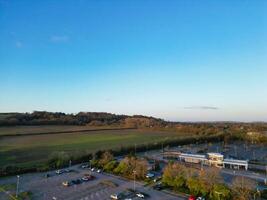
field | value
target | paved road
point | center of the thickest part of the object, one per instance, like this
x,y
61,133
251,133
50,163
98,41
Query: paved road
x,y
47,188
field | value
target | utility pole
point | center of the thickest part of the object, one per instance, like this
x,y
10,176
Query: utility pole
x,y
70,163
17,191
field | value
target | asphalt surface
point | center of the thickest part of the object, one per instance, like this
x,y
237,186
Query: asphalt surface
x,y
49,188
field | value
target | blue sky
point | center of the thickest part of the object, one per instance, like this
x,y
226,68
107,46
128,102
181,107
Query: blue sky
x,y
183,60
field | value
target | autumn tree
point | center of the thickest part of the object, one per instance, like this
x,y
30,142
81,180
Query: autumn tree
x,y
242,188
131,164
106,157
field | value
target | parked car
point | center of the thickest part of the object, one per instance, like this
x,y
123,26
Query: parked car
x,y
93,169
99,171
140,195
87,177
77,181
59,171
192,197
84,166
150,175
157,187
66,183
114,196
201,198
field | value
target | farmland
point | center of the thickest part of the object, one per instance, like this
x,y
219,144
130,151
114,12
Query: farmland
x,y
28,150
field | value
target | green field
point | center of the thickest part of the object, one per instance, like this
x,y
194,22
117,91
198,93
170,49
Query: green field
x,y
29,150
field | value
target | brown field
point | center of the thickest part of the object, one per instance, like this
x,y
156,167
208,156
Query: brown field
x,y
20,130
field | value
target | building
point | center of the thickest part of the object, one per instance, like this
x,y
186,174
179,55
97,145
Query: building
x,y
212,159
215,159
235,164
193,158
171,154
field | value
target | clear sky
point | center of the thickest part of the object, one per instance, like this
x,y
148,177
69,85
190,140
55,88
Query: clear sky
x,y
185,60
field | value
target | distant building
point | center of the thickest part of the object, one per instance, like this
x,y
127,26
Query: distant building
x,y
212,159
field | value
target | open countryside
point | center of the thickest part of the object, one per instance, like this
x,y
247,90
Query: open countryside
x,y
133,100
21,150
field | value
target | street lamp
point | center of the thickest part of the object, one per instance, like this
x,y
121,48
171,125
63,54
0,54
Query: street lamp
x,y
17,191
134,178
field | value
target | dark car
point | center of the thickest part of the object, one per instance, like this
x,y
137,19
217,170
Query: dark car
x,y
157,187
77,181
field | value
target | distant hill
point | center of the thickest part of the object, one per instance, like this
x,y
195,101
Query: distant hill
x,y
95,119
82,118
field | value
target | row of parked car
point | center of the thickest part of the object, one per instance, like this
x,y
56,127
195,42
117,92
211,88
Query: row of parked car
x,y
85,178
86,166
129,194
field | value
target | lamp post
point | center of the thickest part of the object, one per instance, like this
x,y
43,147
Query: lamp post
x,y
70,163
17,190
134,172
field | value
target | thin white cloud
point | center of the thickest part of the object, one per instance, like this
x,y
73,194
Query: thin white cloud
x,y
202,107
59,38
19,44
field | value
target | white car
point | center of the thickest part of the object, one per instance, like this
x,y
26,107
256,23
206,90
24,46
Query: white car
x,y
92,169
99,171
114,196
59,171
140,195
200,198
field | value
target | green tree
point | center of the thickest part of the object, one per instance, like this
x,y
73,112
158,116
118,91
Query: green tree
x,y
110,166
219,192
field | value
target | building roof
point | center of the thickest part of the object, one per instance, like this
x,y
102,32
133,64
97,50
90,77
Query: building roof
x,y
234,161
215,154
187,155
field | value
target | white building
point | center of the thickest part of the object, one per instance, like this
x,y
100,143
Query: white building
x,y
212,159
193,158
236,164
215,159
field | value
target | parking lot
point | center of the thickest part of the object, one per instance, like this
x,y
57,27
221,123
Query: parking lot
x,y
96,189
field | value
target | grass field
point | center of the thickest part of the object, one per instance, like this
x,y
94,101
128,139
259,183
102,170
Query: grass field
x,y
29,150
